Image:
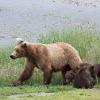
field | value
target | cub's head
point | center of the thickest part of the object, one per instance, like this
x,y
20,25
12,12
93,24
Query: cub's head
x,y
20,49
88,70
69,76
85,77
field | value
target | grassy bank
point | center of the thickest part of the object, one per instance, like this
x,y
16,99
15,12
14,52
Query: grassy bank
x,y
58,91
85,41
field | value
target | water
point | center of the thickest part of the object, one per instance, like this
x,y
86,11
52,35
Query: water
x,y
29,18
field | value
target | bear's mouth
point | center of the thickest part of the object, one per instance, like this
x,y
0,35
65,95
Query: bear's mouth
x,y
12,57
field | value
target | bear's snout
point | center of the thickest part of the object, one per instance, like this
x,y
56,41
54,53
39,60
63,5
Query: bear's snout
x,y
12,56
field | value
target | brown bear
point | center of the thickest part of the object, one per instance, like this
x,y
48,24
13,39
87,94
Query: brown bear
x,y
70,76
47,57
85,76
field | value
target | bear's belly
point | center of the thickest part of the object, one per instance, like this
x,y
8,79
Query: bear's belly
x,y
57,56
59,62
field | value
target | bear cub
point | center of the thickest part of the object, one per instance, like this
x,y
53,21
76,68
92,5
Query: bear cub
x,y
85,76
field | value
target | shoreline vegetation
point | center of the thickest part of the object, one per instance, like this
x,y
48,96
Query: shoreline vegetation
x,y
87,42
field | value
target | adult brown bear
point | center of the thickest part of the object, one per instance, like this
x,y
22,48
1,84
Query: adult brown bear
x,y
47,57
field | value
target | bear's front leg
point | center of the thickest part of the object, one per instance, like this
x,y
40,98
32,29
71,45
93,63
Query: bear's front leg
x,y
47,76
26,74
65,69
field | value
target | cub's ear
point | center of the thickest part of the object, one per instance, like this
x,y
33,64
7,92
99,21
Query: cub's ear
x,y
91,68
19,40
82,69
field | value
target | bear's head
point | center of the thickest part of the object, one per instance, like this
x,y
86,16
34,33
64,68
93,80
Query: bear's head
x,y
70,76
20,49
85,77
89,68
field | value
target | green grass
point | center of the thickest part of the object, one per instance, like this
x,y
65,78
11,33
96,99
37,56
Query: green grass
x,y
59,92
84,40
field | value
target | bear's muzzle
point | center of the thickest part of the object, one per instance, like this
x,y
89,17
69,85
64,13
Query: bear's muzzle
x,y
12,57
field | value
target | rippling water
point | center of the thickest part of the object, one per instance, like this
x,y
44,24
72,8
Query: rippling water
x,y
23,18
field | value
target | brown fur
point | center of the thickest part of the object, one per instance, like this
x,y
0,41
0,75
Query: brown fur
x,y
85,77
46,57
97,69
70,75
64,71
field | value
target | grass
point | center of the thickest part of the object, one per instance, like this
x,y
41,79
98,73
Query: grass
x,y
59,92
84,40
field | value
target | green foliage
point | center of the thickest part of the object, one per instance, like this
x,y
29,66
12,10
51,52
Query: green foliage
x,y
84,40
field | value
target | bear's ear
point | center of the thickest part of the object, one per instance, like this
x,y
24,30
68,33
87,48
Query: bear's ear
x,y
24,44
91,68
19,40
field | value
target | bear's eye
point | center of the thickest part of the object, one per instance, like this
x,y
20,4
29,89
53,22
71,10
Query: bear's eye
x,y
17,51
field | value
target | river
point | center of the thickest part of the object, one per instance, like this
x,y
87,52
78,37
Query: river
x,y
29,18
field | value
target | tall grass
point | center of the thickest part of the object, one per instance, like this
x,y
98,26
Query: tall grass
x,y
8,69
84,40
